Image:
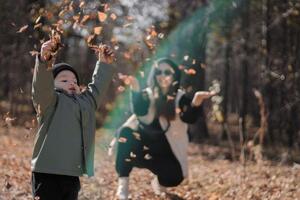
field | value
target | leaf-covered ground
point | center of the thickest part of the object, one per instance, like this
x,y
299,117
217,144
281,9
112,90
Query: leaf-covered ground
x,y
211,177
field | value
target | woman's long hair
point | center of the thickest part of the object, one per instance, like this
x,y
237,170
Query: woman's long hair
x,y
165,103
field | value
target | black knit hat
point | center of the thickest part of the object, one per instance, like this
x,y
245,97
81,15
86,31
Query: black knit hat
x,y
64,66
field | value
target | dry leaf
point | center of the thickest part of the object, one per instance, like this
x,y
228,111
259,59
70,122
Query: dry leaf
x,y
82,3
126,25
102,16
38,19
147,156
137,135
122,140
37,26
22,29
84,19
113,16
90,38
190,71
132,155
34,53
97,30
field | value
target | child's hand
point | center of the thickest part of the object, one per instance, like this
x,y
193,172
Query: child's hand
x,y
47,49
106,54
50,48
200,96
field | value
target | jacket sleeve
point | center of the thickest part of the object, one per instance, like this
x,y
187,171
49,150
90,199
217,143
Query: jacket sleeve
x,y
188,113
101,80
140,102
43,93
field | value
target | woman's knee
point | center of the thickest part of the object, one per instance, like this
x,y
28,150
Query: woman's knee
x,y
170,181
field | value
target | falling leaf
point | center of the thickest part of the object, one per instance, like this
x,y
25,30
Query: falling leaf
x,y
22,29
76,18
122,140
129,18
137,135
70,7
169,98
62,13
102,16
127,25
127,55
147,156
84,19
38,19
121,88
145,148
82,3
178,110
90,38
106,7
113,16
34,53
142,73
97,30
186,57
132,155
194,61
190,71
181,67
161,35
37,26
203,66
128,160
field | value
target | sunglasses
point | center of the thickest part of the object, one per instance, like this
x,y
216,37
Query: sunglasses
x,y
166,72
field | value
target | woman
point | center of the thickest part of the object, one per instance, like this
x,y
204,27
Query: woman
x,y
155,136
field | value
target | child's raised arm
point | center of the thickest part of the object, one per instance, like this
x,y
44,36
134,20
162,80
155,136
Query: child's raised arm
x,y
102,76
43,93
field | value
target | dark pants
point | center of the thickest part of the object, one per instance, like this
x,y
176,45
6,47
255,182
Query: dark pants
x,y
146,152
52,186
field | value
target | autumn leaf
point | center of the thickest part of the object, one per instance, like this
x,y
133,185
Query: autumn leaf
x,y
147,156
84,19
113,16
132,155
22,29
82,3
97,30
127,25
190,71
106,7
121,89
37,26
34,53
137,135
126,55
38,19
122,140
90,38
102,16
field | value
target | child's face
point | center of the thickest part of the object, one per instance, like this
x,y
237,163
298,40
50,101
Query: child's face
x,y
67,81
164,75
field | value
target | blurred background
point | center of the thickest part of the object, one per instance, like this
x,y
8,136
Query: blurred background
x,y
248,51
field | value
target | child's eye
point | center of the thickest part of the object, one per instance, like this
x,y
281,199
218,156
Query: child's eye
x,y
64,81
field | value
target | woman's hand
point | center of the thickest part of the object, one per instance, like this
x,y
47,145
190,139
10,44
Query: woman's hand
x,y
200,96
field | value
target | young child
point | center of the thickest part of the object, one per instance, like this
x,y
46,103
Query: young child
x,y
64,144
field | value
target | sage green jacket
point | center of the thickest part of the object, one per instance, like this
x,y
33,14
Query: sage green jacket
x,y
65,141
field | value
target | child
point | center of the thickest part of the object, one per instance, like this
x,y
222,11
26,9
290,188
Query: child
x,y
64,144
